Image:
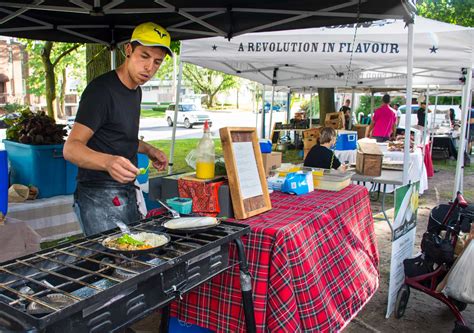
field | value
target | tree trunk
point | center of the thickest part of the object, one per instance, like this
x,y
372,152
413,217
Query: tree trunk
x,y
326,103
50,78
211,99
237,98
62,94
98,60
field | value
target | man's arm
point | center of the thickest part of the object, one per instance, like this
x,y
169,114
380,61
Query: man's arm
x,y
77,152
158,158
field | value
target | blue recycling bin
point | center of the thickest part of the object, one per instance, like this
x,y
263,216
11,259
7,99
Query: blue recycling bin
x,y
3,182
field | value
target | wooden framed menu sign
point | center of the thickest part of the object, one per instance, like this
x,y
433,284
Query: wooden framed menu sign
x,y
244,165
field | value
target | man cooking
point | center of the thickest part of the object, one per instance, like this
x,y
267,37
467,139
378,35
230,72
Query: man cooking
x,y
104,142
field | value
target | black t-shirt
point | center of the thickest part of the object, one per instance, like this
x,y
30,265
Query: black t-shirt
x,y
112,112
421,114
346,110
320,157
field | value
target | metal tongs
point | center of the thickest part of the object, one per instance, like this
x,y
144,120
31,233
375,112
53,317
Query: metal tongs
x,y
174,213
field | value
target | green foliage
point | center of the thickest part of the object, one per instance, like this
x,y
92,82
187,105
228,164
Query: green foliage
x,y
14,107
61,58
209,82
446,100
35,128
460,12
364,104
153,113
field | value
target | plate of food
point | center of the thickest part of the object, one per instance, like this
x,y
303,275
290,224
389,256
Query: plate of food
x,y
191,225
137,242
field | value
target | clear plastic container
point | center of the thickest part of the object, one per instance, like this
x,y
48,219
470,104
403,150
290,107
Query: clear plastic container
x,y
205,155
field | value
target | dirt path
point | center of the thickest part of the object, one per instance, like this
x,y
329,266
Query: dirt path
x,y
423,313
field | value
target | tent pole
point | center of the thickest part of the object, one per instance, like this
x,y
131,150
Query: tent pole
x,y
352,112
433,120
255,104
271,110
406,152
425,130
175,66
372,104
175,118
288,111
113,58
464,120
263,113
311,106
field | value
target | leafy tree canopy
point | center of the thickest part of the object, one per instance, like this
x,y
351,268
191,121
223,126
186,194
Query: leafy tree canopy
x,y
209,82
460,12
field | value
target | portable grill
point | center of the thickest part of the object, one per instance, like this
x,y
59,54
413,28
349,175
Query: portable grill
x,y
82,287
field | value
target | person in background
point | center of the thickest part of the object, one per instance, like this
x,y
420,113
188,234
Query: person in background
x,y
384,123
346,110
321,156
104,142
398,113
421,115
451,116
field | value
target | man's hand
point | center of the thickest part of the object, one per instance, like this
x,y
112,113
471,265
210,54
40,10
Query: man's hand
x,y
121,169
158,158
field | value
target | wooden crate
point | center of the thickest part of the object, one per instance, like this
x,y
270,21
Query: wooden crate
x,y
361,130
335,120
369,160
312,132
309,142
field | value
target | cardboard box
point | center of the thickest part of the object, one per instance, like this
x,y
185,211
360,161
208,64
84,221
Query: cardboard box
x,y
309,143
334,120
361,130
312,133
271,161
369,160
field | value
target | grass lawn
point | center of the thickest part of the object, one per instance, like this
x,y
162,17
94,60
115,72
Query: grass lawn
x,y
181,150
153,114
184,146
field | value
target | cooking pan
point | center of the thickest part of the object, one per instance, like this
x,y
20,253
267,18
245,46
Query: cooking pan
x,y
133,252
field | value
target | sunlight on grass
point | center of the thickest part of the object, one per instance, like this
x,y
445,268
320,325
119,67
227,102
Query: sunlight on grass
x,y
153,113
181,150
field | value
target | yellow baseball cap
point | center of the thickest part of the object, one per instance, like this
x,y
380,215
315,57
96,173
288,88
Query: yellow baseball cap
x,y
151,34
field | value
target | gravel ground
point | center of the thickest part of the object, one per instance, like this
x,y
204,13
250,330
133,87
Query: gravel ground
x,y
423,313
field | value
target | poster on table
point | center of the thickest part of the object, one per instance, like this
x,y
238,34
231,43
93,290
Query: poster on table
x,y
403,240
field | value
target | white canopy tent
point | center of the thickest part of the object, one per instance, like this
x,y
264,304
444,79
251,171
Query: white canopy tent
x,y
375,54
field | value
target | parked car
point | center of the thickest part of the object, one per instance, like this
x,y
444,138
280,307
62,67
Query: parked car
x,y
188,115
7,116
276,108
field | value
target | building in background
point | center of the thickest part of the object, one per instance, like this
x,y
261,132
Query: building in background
x,y
13,72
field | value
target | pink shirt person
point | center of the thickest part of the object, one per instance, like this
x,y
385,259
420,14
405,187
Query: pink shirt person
x,y
384,121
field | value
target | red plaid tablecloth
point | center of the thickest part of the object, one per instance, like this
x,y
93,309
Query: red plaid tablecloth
x,y
314,264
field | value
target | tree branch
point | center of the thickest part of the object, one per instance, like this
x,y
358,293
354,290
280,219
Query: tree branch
x,y
65,53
